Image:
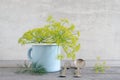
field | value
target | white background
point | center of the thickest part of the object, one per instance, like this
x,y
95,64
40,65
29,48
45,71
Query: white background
x,y
98,21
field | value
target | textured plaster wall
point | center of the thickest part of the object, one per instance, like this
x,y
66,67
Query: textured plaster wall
x,y
98,21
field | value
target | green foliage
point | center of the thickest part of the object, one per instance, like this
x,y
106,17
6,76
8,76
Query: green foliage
x,y
61,32
60,56
100,67
32,68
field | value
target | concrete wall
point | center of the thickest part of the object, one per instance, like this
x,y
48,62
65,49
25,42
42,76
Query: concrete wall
x,y
98,21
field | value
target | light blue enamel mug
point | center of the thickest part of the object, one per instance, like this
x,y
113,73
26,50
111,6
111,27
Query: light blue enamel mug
x,y
45,55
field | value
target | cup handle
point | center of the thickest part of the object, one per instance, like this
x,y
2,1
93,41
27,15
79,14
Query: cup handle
x,y
29,53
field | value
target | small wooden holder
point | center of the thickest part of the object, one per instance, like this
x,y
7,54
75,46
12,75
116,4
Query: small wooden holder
x,y
63,71
79,64
77,73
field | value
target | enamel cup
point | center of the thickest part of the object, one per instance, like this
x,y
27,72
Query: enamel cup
x,y
45,55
